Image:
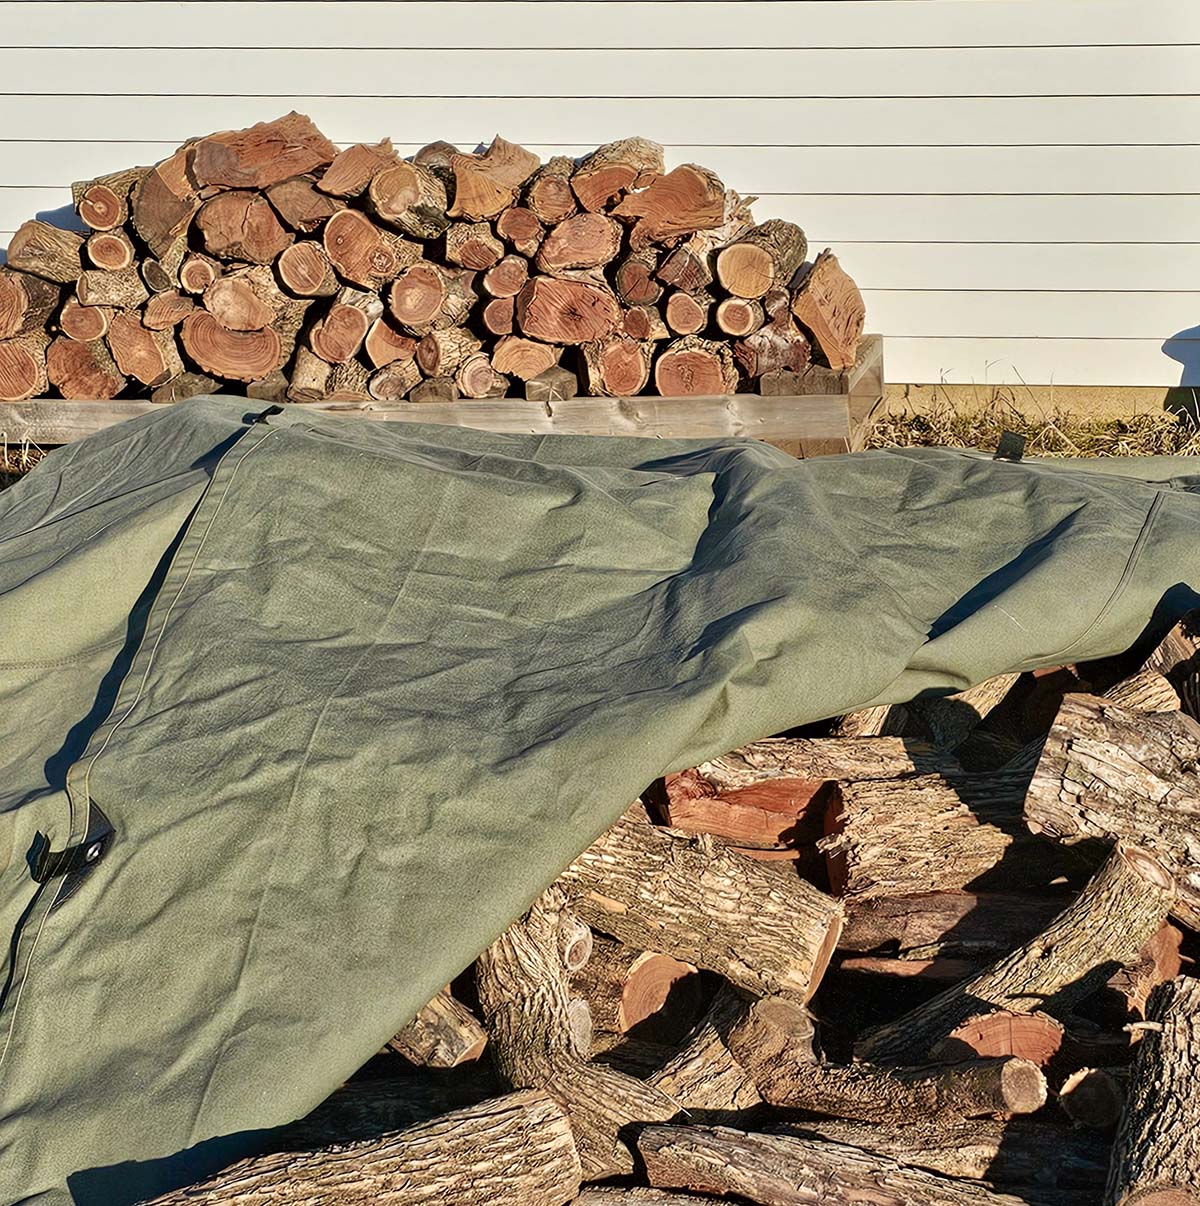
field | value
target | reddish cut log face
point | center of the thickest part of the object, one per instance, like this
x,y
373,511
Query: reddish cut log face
x,y
340,334
236,355
20,372
101,208
304,269
560,311
417,295
692,372
77,372
358,251
624,368
242,226
84,323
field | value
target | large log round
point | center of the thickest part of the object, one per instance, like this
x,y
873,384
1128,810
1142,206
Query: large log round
x,y
563,311
235,355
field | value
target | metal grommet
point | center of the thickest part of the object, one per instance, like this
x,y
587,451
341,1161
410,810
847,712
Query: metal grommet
x,y
93,852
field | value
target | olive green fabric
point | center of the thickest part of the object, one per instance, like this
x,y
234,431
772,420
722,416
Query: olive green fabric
x,y
352,694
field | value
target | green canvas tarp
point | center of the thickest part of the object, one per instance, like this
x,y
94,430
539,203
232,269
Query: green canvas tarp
x,y
326,703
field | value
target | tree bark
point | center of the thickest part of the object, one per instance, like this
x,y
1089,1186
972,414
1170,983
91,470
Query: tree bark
x,y
695,366
119,290
309,378
764,257
1156,1157
777,347
510,1151
1110,772
441,352
439,390
556,384
1123,904
44,250
523,994
830,306
191,385
660,890
1146,691
778,1170
444,1034
83,370
394,381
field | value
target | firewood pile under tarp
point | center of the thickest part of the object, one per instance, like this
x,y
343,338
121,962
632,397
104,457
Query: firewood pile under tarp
x,y
267,261
931,954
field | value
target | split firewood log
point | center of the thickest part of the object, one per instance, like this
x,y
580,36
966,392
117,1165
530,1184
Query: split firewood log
x,y
300,206
338,336
556,384
686,199
507,277
82,369
362,253
304,270
162,273
634,279
616,168
637,1195
444,1034
771,813
1156,1157
476,378
695,366
437,390
1095,1097
241,225
1146,691
119,290
353,168
150,357
516,1150
411,198
894,837
706,905
472,245
427,297
1038,1163
309,378
485,184
28,303
687,313
163,201
521,229
111,249
349,381
77,321
586,240
564,311
644,324
46,251
617,367
246,299
782,1170
23,366
1111,772
441,352
163,310
628,988
261,155
235,355
1123,904
192,385
827,302
197,272
523,358
103,203
393,381
385,343
524,997
766,256
548,194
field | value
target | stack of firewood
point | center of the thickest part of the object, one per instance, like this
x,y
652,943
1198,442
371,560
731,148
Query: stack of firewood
x,y
265,261
931,956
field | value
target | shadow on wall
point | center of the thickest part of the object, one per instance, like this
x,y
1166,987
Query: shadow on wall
x,y
64,217
1184,348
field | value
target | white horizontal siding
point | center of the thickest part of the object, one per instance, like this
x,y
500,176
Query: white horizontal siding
x,y
1014,183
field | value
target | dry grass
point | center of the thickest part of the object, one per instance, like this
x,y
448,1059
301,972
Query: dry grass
x,y
16,459
1056,434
